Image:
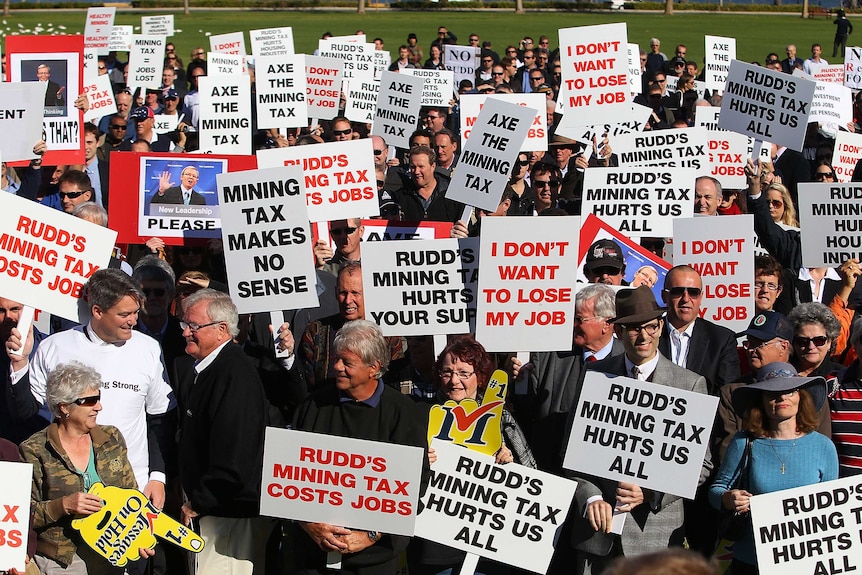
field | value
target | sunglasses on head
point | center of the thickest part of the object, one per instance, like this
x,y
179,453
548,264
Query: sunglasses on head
x,y
679,290
88,401
71,195
342,231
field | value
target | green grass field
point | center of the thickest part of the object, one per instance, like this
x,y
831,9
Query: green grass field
x,y
756,34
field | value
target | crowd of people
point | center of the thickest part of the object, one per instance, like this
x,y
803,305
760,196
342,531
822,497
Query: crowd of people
x,y
168,389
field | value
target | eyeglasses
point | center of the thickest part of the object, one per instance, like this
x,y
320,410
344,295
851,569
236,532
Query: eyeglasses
x,y
776,203
158,292
511,51
537,78
606,271
750,344
805,342
378,152
529,57
496,73
194,328
88,401
649,328
546,183
71,195
824,175
342,132
461,375
580,320
118,126
488,61
342,231
679,290
768,286
201,53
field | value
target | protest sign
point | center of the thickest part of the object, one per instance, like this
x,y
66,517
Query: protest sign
x,y
832,103
384,230
438,87
322,86
645,433
397,113
225,109
810,530
527,270
853,67
55,62
100,95
727,158
831,232
353,483
509,513
382,60
589,134
16,480
127,522
164,123
845,154
487,158
462,61
595,72
725,263
272,41
421,287
639,201
220,64
90,65
680,148
231,43
339,177
832,74
157,25
281,92
357,55
766,105
720,52
146,61
121,39
361,99
46,257
164,212
265,228
537,133
635,81
20,114
97,30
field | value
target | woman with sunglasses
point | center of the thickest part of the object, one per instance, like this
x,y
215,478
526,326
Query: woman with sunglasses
x,y
824,172
68,457
523,196
781,205
815,329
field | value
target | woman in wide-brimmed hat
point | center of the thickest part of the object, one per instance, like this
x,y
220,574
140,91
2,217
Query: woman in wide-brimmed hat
x,y
779,414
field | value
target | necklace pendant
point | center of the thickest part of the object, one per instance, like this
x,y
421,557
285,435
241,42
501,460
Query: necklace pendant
x,y
782,469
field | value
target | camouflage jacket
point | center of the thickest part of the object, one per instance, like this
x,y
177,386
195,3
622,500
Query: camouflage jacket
x,y
54,476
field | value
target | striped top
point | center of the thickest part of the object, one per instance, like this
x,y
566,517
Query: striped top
x,y
846,408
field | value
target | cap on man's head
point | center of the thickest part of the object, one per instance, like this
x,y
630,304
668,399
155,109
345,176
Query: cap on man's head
x,y
171,94
142,113
604,253
768,325
677,61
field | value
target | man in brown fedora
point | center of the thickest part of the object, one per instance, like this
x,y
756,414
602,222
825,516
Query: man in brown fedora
x,y
654,520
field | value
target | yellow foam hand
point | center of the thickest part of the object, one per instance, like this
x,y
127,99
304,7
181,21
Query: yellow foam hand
x,y
128,522
476,427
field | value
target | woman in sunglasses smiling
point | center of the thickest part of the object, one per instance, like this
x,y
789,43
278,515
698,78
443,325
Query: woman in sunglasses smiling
x,y
68,457
815,329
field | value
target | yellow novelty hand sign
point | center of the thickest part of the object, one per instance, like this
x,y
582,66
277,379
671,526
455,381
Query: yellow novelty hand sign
x,y
476,427
128,522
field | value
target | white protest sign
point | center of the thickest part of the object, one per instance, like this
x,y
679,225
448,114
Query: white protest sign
x,y
832,103
121,39
164,123
421,287
348,482
46,257
587,134
720,52
641,432
225,109
100,95
595,72
361,99
809,530
16,480
157,25
833,74
322,86
766,105
339,177
221,64
382,60
846,153
831,232
462,61
527,271
272,41
639,201
397,113
90,64
438,87
281,92
146,60
267,239
97,31
537,133
720,248
635,80
853,67
519,510
357,56
679,148
21,113
725,149
487,158
230,43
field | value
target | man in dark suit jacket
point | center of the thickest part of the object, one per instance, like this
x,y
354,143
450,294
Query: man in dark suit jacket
x,y
789,63
182,194
53,92
692,342
655,519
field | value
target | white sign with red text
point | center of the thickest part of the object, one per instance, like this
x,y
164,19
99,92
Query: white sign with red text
x,y
846,153
100,95
537,133
97,31
322,86
853,67
230,43
16,480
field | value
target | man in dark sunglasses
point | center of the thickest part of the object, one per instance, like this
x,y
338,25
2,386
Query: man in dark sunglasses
x,y
75,189
342,131
346,237
605,263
